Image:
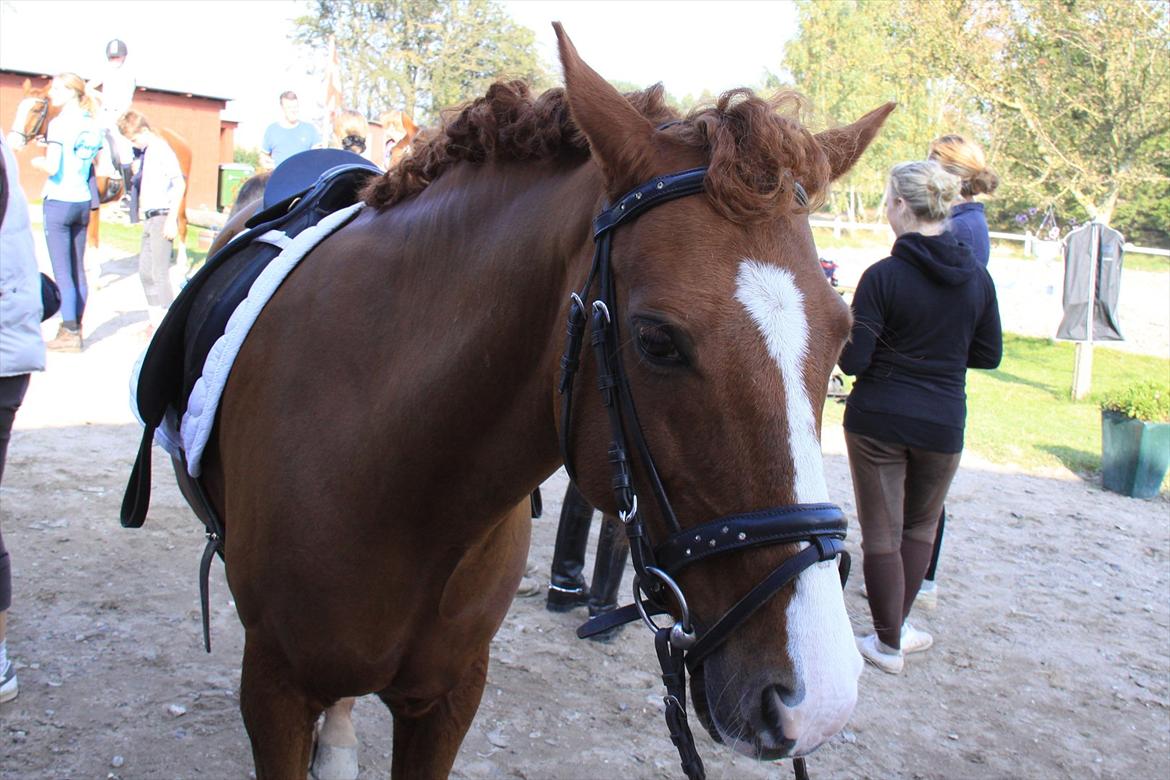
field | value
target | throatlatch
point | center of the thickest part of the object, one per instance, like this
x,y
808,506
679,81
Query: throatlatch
x,y
680,646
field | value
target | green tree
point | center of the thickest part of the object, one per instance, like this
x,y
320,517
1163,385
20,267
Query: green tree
x,y
849,57
1075,90
420,55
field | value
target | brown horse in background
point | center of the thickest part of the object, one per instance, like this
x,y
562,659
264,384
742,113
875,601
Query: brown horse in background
x,y
396,402
31,123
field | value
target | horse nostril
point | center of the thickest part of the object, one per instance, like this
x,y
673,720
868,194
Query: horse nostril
x,y
775,700
772,701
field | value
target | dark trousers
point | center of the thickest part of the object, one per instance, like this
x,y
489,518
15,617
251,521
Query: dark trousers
x,y
900,493
938,535
65,225
567,581
12,389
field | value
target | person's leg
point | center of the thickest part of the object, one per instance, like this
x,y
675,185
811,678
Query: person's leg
x,y
879,473
58,238
566,587
12,389
938,537
154,260
78,223
928,477
613,550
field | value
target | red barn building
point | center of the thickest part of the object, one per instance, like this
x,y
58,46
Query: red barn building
x,y
195,117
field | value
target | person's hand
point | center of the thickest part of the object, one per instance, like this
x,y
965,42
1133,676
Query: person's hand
x,y
171,226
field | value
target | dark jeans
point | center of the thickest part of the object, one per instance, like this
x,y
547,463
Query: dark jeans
x,y
65,225
12,389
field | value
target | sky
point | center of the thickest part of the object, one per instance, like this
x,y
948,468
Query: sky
x,y
242,49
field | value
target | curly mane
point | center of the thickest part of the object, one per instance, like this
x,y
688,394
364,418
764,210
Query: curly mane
x,y
756,147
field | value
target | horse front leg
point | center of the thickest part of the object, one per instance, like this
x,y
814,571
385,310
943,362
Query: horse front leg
x,y
427,734
278,715
336,756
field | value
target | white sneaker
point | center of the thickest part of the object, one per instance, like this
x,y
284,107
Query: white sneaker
x,y
873,650
927,597
8,684
913,640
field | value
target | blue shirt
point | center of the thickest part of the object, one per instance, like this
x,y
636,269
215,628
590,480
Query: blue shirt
x,y
968,224
74,139
283,142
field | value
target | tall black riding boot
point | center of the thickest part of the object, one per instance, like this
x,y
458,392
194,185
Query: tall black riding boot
x,y
613,549
566,586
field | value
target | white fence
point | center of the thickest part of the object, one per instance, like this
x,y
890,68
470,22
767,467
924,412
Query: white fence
x,y
1033,245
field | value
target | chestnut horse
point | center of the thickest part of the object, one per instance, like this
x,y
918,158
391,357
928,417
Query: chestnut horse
x,y
398,400
31,123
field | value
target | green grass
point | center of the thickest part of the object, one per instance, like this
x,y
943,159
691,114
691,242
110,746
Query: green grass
x,y
1022,413
128,238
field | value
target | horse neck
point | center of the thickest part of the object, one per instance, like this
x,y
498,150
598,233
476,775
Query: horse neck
x,y
510,243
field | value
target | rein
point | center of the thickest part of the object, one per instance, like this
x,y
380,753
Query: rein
x,y
681,647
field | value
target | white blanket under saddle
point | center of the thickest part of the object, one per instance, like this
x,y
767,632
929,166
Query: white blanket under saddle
x,y
191,434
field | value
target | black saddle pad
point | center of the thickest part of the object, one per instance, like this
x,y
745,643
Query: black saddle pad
x,y
198,316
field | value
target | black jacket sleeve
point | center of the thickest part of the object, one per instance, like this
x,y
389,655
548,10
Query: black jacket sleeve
x,y
986,348
868,321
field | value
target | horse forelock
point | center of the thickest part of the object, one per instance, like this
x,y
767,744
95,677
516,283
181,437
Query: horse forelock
x,y
757,148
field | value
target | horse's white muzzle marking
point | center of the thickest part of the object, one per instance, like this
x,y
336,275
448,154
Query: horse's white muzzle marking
x,y
826,664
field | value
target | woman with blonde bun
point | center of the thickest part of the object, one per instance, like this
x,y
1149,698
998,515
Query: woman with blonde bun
x,y
965,159
921,318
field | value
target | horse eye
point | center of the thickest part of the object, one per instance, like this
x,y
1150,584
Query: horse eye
x,y
656,342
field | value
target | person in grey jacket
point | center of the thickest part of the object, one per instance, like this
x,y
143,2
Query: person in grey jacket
x,y
22,351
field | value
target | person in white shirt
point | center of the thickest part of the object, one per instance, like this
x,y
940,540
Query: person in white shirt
x,y
161,194
115,87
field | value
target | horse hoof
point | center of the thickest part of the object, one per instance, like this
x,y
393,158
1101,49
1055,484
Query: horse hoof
x,y
334,763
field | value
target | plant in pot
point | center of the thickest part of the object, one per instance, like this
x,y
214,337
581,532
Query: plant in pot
x,y
1135,439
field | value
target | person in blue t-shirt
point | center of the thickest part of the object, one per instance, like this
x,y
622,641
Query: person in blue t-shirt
x,y
73,142
289,136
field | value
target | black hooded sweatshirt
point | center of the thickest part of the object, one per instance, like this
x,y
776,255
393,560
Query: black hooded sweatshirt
x,y
921,318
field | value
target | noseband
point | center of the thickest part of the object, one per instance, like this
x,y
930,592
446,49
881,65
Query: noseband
x,y
681,646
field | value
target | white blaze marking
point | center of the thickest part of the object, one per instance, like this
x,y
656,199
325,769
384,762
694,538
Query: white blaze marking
x,y
776,305
820,640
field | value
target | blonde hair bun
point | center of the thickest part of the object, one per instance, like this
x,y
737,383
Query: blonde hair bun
x,y
928,190
964,159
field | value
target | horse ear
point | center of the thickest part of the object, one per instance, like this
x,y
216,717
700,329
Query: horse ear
x,y
619,136
844,145
27,86
409,126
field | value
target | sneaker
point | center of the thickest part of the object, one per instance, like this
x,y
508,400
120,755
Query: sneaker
x,y
876,653
913,640
8,685
927,597
66,340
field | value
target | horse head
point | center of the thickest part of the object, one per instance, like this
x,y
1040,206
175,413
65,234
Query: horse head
x,y
32,116
400,131
729,333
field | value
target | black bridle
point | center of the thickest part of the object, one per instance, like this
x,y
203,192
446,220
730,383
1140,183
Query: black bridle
x,y
681,647
38,130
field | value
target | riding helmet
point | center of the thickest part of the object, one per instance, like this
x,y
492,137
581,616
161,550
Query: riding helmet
x,y
115,48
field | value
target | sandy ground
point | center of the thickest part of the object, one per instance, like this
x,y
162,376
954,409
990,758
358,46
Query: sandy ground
x,y
1052,654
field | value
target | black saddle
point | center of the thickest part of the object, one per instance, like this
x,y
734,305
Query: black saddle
x,y
198,316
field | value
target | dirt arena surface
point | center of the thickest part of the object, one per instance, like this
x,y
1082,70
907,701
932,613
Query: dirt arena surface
x,y
1051,656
